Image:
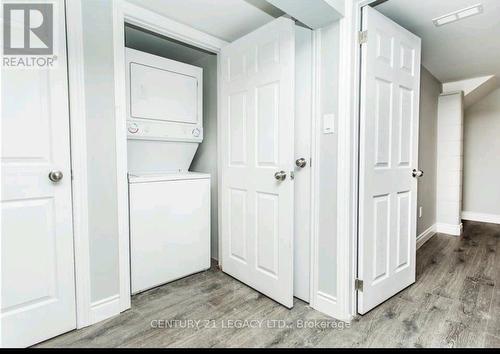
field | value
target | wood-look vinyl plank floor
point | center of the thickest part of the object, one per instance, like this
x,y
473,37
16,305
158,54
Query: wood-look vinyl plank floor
x,y
455,302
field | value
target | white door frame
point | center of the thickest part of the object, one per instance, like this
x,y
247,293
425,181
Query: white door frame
x,y
126,12
136,15
348,149
78,147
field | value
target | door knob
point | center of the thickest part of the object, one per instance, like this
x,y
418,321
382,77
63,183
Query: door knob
x,y
280,176
417,173
55,176
301,162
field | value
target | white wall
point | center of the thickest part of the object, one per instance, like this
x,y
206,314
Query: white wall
x,y
327,164
481,184
430,89
100,110
205,159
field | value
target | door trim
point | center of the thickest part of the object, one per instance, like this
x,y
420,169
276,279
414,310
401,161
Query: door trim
x,y
348,161
78,148
124,11
314,178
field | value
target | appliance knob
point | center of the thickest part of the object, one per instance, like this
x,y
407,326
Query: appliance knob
x,y
133,128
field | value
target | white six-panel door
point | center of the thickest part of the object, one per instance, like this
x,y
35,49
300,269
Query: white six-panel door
x,y
390,89
257,117
38,289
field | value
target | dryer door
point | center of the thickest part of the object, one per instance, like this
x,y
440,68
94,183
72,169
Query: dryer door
x,y
160,94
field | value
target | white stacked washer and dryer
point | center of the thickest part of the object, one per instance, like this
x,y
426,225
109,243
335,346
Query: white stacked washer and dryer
x,y
169,205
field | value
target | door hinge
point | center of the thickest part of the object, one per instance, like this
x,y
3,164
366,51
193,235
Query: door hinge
x,y
362,37
358,284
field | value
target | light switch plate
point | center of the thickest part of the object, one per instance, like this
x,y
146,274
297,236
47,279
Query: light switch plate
x,y
329,123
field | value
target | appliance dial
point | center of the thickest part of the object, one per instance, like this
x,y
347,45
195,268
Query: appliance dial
x,y
133,128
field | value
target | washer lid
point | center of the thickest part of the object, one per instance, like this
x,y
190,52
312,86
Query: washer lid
x,y
165,176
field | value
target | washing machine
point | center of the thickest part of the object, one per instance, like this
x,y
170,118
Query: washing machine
x,y
169,206
169,227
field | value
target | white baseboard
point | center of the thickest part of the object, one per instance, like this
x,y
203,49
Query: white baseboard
x,y
426,236
449,229
482,217
105,308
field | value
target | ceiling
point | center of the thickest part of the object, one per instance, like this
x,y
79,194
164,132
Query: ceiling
x,y
457,51
225,19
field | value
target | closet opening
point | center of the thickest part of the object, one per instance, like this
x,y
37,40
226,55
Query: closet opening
x,y
171,158
182,121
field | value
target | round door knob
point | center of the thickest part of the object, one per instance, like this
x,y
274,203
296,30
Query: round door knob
x,y
55,176
280,176
417,173
301,162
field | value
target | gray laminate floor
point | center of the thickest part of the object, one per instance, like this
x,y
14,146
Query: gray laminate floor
x,y
454,303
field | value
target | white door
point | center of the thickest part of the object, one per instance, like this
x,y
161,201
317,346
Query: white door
x,y
390,85
257,117
38,289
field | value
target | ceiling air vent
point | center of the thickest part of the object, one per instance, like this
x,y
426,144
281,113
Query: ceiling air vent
x,y
458,15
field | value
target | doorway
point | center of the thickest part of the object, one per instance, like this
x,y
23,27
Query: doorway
x,y
135,19
388,159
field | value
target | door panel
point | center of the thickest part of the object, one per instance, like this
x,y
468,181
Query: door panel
x,y
38,289
40,272
237,129
257,95
267,102
390,84
237,222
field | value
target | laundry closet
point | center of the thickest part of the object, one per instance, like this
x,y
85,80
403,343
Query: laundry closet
x,y
174,160
169,188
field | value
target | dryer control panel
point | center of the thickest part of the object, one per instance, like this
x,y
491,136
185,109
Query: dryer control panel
x,y
150,130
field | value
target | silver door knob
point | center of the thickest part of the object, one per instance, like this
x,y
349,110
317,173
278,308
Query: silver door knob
x,y
417,173
55,176
280,176
301,162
